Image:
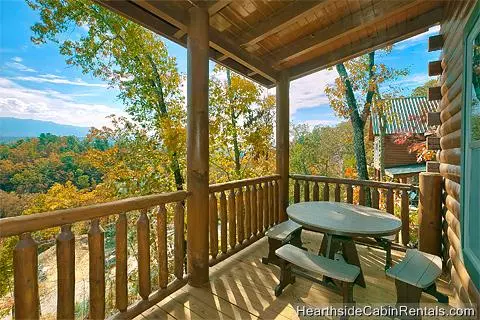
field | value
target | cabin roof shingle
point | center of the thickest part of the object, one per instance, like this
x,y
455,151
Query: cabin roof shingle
x,y
404,115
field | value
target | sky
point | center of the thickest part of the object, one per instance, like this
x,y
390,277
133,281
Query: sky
x,y
36,83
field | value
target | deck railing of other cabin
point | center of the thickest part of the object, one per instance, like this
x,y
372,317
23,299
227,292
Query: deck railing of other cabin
x,y
25,255
243,210
304,183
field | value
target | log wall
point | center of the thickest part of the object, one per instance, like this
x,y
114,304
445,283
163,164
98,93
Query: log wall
x,y
456,15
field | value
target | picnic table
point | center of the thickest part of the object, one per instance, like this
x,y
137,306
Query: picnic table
x,y
340,223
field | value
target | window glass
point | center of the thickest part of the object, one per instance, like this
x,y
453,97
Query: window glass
x,y
475,110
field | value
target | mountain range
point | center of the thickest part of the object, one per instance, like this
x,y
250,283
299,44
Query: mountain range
x,y
13,128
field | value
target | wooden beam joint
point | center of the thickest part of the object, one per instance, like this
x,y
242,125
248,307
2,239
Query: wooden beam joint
x,y
433,143
433,119
435,43
434,93
435,68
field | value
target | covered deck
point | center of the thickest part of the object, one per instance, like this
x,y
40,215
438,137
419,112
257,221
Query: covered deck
x,y
220,237
241,287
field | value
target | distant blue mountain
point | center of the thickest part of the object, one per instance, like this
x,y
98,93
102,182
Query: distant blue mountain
x,y
14,128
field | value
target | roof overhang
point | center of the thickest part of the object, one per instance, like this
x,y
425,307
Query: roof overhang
x,y
259,40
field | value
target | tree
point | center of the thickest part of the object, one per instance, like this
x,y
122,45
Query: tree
x,y
422,91
127,56
241,127
323,150
352,94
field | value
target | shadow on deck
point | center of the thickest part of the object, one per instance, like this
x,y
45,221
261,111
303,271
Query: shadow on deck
x,y
241,287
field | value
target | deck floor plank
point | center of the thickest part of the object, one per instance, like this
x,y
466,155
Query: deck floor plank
x,y
241,287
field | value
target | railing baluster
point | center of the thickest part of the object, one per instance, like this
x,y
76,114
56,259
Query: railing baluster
x,y
260,208
240,216
232,223
389,201
213,219
306,191
296,192
337,192
265,206
65,273
271,198
326,192
349,193
143,238
223,222
254,210
96,253
162,246
25,267
375,198
121,285
248,212
361,195
316,192
276,202
405,218
179,240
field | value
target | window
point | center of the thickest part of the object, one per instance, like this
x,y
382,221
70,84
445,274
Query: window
x,y
471,149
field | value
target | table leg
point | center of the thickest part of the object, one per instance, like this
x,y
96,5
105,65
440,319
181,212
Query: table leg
x,y
351,257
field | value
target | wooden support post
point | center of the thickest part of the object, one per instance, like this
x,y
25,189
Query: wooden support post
x,y
430,213
162,246
143,238
197,145
96,256
282,140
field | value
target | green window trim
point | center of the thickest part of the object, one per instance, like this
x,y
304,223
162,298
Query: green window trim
x,y
469,218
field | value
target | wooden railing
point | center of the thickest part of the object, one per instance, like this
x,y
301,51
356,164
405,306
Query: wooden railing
x,y
389,190
25,256
243,210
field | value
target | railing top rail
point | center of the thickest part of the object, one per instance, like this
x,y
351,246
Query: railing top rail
x,y
366,183
40,221
241,183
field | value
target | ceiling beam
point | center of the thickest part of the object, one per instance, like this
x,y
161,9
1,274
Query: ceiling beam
x,y
401,31
217,6
178,17
346,25
168,30
212,10
291,13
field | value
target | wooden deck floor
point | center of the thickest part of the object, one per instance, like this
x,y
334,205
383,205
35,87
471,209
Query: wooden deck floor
x,y
241,287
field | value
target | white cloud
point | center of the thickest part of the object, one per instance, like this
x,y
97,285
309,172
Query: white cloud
x,y
309,91
50,78
422,37
18,66
17,59
412,81
320,122
49,105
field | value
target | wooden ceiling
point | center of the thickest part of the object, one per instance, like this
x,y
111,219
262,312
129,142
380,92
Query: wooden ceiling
x,y
260,38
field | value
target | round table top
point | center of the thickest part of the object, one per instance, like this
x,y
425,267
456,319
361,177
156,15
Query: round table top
x,y
343,219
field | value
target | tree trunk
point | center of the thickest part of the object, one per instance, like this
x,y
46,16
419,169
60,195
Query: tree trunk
x,y
358,126
236,149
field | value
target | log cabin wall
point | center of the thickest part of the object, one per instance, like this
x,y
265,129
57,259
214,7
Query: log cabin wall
x,y
395,154
456,14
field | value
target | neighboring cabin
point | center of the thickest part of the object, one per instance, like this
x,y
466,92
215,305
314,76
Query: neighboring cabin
x,y
402,115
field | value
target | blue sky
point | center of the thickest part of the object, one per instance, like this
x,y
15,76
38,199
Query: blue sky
x,y
36,83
